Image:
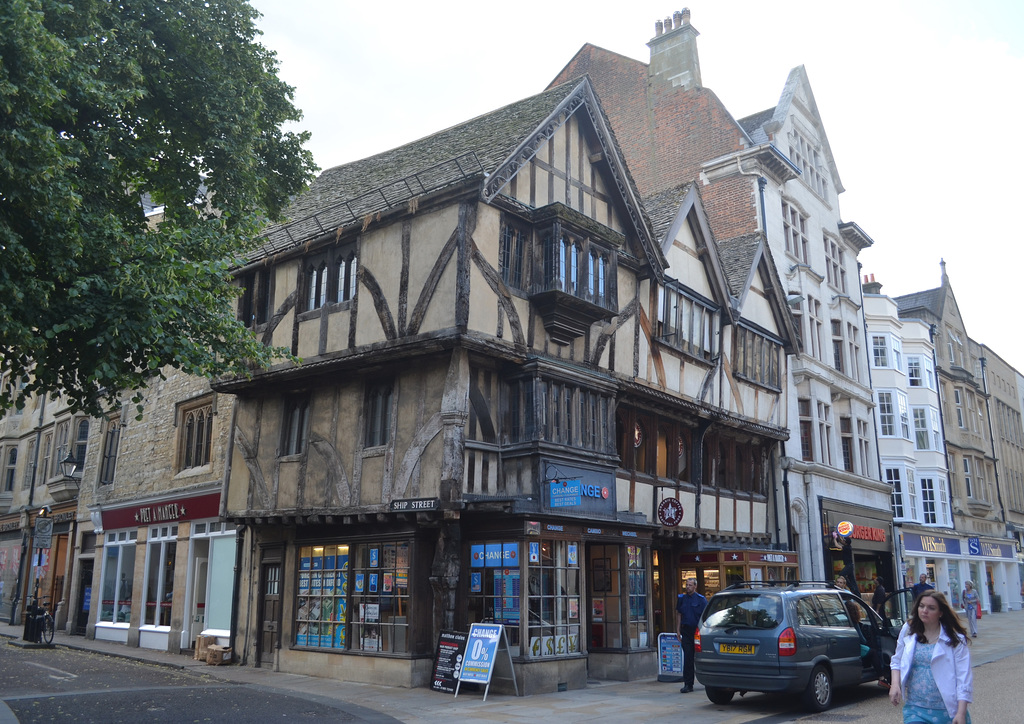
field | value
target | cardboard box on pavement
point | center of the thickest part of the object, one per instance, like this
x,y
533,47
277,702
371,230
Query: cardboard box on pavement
x,y
217,655
202,645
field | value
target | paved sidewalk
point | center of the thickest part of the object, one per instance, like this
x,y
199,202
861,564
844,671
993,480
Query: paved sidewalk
x,y
999,636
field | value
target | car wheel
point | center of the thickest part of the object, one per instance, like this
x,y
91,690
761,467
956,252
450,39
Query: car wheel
x,y
719,696
818,694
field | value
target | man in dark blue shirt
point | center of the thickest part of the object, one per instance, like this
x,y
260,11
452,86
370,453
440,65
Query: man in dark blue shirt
x,y
689,607
921,586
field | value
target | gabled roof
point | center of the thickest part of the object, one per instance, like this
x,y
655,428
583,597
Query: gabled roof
x,y
655,124
753,125
931,300
745,256
490,148
739,256
797,84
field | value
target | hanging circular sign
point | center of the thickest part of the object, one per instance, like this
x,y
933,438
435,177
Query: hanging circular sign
x,y
845,528
670,512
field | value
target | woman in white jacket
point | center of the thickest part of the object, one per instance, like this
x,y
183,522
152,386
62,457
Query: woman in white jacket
x,y
931,669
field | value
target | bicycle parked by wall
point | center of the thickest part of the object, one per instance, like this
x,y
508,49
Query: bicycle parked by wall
x,y
39,626
46,626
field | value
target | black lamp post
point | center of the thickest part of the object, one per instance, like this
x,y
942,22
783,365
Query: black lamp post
x,y
44,527
68,466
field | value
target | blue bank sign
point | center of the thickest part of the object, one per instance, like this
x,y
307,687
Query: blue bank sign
x,y
578,491
565,493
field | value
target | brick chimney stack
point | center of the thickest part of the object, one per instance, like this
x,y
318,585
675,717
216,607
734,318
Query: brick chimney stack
x,y
870,286
674,60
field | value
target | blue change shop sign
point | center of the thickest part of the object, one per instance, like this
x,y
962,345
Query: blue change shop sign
x,y
577,491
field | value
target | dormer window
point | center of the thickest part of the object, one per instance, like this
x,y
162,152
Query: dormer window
x,y
330,278
316,285
254,308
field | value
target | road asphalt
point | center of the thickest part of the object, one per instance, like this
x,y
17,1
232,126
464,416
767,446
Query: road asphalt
x,y
1001,636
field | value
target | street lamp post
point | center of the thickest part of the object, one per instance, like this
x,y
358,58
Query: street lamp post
x,y
40,540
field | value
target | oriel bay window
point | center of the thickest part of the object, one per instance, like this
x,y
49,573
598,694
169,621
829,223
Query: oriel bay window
x,y
579,264
560,412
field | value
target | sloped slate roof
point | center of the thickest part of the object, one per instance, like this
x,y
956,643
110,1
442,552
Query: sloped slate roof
x,y
662,208
737,257
930,299
754,125
474,147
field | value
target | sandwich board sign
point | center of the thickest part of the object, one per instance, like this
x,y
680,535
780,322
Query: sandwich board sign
x,y
482,654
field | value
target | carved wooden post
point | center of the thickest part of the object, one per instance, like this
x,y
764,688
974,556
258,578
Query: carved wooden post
x,y
444,578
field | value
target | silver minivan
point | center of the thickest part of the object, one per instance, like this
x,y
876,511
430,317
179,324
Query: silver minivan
x,y
805,638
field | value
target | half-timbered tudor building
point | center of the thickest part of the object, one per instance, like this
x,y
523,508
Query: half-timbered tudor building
x,y
771,174
520,398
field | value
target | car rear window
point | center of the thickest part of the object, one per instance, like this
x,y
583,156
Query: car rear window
x,y
744,610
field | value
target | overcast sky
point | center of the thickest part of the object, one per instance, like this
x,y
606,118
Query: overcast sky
x,y
921,101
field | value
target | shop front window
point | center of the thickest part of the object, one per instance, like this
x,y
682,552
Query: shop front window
x,y
118,577
553,628
322,610
638,620
213,542
354,597
161,547
495,587
380,597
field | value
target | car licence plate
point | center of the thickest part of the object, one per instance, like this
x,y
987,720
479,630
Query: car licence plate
x,y
736,648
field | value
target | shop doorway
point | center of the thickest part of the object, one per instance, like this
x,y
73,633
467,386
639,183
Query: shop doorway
x,y
604,597
84,596
270,612
200,573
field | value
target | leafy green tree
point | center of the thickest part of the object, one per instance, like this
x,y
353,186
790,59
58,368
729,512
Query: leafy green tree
x,y
102,103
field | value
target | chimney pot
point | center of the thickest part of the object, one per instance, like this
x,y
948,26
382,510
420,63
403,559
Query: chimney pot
x,y
686,16
659,28
677,19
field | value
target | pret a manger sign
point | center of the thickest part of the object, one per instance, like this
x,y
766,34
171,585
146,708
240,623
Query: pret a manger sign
x,y
164,511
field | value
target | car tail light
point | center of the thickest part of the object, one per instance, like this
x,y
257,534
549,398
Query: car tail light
x,y
787,642
696,641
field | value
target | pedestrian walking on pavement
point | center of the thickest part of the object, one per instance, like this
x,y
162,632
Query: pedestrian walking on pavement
x,y
971,602
921,586
689,606
931,669
878,597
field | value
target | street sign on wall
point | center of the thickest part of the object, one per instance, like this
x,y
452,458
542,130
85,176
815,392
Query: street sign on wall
x,y
43,534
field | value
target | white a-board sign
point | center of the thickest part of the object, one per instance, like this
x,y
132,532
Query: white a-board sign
x,y
484,648
670,657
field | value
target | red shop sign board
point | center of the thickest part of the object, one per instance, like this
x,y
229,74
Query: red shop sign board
x,y
166,511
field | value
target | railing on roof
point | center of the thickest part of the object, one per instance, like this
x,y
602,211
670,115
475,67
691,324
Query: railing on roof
x,y
380,199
